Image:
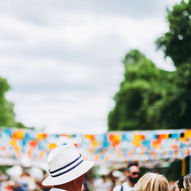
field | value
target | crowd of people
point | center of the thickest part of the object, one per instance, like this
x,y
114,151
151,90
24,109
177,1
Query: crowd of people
x,y
24,181
68,171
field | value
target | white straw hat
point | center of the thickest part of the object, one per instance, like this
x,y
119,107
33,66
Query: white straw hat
x,y
65,164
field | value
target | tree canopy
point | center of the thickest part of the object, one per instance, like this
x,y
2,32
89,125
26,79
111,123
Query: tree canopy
x,y
142,95
176,43
151,98
7,115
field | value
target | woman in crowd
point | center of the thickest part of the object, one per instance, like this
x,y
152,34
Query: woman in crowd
x,y
152,182
184,183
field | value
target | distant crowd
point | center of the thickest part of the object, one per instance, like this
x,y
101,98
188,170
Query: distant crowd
x,y
70,172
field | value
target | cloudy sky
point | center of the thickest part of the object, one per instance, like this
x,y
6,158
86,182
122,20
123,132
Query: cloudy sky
x,y
63,58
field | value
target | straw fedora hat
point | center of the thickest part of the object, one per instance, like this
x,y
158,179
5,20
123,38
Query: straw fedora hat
x,y
65,164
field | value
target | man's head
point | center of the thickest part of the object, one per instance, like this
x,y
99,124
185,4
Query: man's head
x,y
132,173
66,165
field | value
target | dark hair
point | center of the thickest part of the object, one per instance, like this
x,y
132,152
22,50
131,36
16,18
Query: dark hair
x,y
184,183
180,182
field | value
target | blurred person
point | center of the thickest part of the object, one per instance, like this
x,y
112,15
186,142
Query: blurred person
x,y
103,183
2,180
19,187
66,169
184,183
113,178
7,184
173,185
85,186
152,182
132,175
88,183
26,182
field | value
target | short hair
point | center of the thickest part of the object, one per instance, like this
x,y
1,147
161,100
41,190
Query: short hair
x,y
184,183
152,182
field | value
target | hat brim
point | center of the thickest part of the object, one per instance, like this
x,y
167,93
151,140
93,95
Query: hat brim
x,y
69,176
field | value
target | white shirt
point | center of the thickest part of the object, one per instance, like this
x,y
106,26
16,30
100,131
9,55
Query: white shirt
x,y
57,189
126,187
100,185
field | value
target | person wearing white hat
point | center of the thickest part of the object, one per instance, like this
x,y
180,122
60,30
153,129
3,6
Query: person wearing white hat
x,y
66,169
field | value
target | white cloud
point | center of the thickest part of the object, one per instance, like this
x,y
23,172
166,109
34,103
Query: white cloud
x,y
63,112
81,29
65,66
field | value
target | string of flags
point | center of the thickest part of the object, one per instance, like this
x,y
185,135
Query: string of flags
x,y
142,146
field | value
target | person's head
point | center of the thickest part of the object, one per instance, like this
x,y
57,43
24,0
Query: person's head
x,y
184,183
152,182
75,184
132,173
66,168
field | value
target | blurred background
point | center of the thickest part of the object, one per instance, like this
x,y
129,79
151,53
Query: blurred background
x,y
112,77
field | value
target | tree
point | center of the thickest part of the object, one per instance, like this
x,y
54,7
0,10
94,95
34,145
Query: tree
x,y
150,98
7,115
176,43
142,96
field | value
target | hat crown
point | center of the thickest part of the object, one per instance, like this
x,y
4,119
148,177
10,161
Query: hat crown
x,y
62,156
65,164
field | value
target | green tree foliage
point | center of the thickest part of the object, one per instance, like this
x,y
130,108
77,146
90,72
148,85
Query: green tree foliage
x,y
176,43
150,98
142,96
6,108
181,104
7,115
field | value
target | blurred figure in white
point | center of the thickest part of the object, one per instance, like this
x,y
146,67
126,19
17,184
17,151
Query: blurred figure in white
x,y
103,182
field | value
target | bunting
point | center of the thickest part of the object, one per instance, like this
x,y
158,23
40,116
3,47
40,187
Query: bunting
x,y
142,146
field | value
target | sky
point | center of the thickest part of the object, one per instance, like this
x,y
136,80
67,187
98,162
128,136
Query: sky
x,y
63,58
